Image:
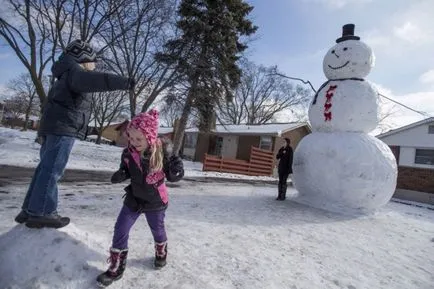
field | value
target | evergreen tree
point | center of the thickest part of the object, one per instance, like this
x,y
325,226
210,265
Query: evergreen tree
x,y
206,54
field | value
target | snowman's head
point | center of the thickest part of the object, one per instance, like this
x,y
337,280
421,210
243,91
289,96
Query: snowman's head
x,y
349,58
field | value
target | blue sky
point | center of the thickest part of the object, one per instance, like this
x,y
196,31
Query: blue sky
x,y
295,35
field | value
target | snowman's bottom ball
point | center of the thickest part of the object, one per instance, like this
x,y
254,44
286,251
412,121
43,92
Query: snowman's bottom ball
x,y
344,172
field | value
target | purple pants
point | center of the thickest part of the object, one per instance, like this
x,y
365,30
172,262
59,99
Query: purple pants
x,y
126,220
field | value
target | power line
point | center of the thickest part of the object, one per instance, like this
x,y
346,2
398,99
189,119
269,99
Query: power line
x,y
425,114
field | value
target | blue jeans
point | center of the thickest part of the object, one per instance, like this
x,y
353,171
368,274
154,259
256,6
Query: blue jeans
x,y
41,198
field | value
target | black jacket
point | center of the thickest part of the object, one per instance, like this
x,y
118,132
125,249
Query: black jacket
x,y
140,195
67,109
285,155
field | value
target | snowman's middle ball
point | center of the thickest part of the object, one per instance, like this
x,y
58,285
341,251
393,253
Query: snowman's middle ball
x,y
353,107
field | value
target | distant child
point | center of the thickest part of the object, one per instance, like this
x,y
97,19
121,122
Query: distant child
x,y
147,163
65,117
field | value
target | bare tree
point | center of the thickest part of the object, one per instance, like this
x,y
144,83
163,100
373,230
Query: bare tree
x,y
387,110
26,32
169,114
132,55
23,99
106,108
260,95
37,30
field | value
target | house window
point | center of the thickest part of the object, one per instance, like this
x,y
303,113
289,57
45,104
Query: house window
x,y
396,152
266,143
431,129
424,157
190,140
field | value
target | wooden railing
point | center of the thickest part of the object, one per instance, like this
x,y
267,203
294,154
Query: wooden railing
x,y
261,164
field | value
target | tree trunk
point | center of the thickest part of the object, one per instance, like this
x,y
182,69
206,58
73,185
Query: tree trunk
x,y
149,101
100,131
40,91
180,129
28,110
133,103
98,139
26,122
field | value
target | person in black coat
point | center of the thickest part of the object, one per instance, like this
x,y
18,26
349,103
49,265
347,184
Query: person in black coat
x,y
65,117
285,156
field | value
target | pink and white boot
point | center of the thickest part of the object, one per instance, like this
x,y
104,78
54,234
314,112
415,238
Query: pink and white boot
x,y
160,255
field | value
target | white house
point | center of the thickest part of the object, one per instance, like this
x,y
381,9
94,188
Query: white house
x,y
413,146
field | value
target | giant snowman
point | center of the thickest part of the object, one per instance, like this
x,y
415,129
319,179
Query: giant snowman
x,y
339,167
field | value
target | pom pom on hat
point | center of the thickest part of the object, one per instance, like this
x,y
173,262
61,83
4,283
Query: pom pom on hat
x,y
147,123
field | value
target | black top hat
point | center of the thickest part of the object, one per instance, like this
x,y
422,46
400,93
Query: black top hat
x,y
348,33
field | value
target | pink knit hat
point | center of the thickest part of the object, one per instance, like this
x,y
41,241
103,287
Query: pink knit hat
x,y
147,123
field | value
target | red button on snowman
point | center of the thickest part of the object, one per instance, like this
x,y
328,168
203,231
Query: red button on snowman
x,y
340,167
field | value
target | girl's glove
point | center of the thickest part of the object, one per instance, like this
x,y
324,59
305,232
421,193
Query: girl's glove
x,y
119,176
176,164
176,169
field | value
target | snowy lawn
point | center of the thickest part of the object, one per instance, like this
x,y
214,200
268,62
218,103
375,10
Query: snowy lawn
x,y
220,236
18,148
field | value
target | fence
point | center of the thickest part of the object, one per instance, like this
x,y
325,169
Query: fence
x,y
261,164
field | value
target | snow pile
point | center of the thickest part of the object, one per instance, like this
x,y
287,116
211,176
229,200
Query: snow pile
x,y
48,258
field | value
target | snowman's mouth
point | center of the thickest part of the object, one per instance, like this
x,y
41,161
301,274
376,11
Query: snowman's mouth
x,y
339,67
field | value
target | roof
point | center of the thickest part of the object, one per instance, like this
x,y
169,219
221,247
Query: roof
x,y
273,129
165,130
95,137
412,125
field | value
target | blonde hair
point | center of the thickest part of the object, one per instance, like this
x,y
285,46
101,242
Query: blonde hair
x,y
89,66
157,156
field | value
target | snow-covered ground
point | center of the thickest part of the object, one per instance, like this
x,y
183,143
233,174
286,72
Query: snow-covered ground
x,y
18,148
220,236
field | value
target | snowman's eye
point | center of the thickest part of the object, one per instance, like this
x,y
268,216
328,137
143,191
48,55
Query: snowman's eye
x,y
345,48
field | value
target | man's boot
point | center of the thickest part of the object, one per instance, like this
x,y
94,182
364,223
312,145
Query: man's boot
x,y
53,220
279,196
160,255
118,262
283,194
22,217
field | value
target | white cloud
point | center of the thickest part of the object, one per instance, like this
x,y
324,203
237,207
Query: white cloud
x,y
3,90
410,32
338,4
427,77
405,31
376,40
5,55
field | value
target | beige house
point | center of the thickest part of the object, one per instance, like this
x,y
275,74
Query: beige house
x,y
235,141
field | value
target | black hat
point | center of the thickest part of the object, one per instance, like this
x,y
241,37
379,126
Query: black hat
x,y
348,33
81,51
